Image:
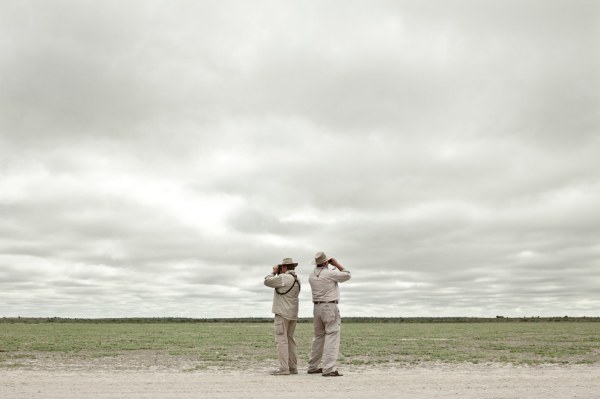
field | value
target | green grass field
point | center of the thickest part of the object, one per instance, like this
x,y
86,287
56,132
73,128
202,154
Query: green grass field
x,y
232,344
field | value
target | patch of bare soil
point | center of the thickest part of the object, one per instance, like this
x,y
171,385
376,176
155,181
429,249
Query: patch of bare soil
x,y
154,375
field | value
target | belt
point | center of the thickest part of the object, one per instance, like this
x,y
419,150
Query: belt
x,y
316,303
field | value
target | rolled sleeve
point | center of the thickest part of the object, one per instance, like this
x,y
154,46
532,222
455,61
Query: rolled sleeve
x,y
340,277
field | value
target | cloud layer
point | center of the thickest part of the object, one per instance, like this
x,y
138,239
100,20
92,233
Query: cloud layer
x,y
156,159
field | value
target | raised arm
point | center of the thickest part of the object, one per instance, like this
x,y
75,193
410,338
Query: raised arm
x,y
274,280
344,274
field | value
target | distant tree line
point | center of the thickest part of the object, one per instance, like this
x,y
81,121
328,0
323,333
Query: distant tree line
x,y
140,320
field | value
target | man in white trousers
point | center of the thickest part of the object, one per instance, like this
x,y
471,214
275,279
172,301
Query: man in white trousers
x,y
326,315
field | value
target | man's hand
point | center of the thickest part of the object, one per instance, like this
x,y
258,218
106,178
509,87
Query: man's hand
x,y
333,262
275,269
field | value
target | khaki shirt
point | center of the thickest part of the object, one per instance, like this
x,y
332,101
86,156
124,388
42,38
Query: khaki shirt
x,y
284,305
324,283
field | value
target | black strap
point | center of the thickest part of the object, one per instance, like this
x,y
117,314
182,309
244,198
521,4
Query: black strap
x,y
296,281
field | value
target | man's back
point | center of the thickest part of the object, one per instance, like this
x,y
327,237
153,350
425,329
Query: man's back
x,y
324,283
285,295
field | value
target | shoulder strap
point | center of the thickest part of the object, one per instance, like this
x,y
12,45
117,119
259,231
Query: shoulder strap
x,y
296,281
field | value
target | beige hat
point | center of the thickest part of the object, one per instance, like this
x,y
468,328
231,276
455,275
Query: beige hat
x,y
288,262
321,258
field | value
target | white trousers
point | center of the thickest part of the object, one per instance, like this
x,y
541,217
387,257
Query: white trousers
x,y
326,340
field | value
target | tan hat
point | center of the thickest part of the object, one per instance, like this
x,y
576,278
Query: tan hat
x,y
321,258
288,262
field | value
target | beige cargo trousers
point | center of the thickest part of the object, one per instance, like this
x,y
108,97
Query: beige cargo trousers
x,y
286,344
326,340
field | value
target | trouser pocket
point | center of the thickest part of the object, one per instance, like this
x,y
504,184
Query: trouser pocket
x,y
279,328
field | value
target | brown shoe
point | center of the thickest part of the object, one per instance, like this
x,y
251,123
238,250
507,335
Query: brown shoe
x,y
333,374
280,372
317,371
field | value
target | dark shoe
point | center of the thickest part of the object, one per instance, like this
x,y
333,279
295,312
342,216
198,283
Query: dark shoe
x,y
333,374
293,371
317,371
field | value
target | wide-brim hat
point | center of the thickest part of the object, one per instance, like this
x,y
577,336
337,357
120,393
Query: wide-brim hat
x,y
288,262
321,258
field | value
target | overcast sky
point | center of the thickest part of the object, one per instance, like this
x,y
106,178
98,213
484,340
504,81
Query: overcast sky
x,y
157,158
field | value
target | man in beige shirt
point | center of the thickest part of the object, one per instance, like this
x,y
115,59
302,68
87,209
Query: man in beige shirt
x,y
285,306
326,295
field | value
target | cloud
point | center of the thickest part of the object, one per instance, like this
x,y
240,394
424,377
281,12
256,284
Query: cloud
x,y
156,159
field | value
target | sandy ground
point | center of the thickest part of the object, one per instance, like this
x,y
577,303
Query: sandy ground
x,y
434,381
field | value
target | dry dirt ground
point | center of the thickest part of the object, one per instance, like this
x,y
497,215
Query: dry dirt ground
x,y
424,381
